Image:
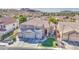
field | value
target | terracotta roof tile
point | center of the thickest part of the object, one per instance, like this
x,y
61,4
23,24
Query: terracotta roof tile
x,y
7,20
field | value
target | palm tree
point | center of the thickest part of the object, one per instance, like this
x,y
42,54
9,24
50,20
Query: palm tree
x,y
53,20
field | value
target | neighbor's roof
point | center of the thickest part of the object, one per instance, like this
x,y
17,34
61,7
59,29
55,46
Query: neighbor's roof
x,y
76,17
60,17
68,26
7,20
71,32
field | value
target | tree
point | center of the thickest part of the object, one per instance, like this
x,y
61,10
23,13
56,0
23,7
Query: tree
x,y
57,33
22,18
53,20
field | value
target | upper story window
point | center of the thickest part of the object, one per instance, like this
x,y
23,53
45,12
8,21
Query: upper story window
x,y
2,27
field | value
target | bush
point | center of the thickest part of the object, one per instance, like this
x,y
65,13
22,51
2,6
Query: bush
x,y
50,42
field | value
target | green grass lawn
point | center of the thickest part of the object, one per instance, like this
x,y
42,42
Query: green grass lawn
x,y
50,42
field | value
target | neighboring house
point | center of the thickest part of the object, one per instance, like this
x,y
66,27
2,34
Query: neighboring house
x,y
67,18
69,30
34,29
71,35
76,17
61,18
7,25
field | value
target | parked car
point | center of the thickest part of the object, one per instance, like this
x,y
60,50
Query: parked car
x,y
8,41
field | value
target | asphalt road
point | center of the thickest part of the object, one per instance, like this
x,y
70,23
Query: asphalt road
x,y
3,48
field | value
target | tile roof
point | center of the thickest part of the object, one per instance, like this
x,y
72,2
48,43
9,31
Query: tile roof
x,y
68,26
38,22
7,20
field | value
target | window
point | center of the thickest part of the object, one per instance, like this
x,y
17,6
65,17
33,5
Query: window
x,y
4,26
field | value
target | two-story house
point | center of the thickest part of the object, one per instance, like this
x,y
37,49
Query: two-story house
x,y
7,25
34,30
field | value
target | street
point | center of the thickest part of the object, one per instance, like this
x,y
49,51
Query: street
x,y
20,48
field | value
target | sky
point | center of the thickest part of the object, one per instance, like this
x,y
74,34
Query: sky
x,y
56,9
